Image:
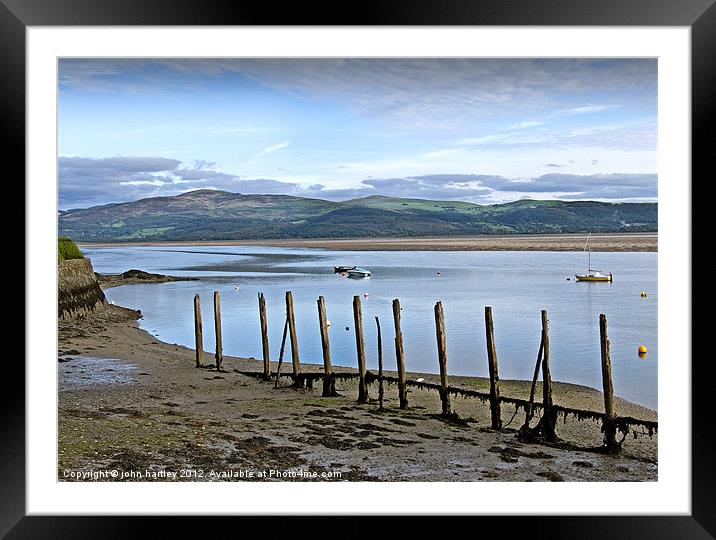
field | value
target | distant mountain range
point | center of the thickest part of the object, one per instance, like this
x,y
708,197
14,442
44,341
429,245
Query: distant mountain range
x,y
220,215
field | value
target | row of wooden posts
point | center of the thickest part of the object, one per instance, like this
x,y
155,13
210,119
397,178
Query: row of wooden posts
x,y
545,427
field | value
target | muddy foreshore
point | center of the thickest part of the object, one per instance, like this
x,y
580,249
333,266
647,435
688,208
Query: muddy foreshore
x,y
506,242
135,407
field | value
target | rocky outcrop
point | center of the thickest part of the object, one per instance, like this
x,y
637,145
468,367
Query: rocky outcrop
x,y
133,276
79,293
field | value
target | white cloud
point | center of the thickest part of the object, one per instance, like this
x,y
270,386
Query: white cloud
x,y
525,125
87,182
588,109
143,183
485,139
271,149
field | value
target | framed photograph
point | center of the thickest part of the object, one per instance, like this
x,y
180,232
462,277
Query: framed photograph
x,y
423,261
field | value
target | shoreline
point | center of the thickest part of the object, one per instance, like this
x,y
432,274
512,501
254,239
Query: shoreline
x,y
600,242
109,281
173,416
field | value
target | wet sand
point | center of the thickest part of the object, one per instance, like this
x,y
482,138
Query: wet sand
x,y
138,404
523,242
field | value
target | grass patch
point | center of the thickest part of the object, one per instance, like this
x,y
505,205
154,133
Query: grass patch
x,y
67,249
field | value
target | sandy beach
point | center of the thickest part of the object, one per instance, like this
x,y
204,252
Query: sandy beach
x,y
135,405
533,242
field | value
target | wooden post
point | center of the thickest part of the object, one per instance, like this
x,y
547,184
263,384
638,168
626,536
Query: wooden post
x,y
380,365
546,373
525,433
442,357
360,349
399,355
264,336
492,366
549,417
292,335
217,330
609,412
198,334
329,384
538,365
280,355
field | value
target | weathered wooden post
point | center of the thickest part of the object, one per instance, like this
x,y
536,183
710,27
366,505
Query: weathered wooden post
x,y
442,357
549,417
217,330
546,425
380,365
492,366
399,355
525,433
535,376
292,335
264,336
360,349
609,428
198,334
283,348
329,383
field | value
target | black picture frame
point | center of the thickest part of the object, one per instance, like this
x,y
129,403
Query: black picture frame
x,y
699,15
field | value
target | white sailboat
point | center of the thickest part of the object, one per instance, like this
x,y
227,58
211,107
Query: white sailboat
x,y
591,274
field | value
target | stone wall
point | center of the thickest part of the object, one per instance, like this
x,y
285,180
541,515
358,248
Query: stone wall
x,y
79,292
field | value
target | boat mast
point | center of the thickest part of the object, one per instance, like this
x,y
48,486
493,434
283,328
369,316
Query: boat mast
x,y
588,249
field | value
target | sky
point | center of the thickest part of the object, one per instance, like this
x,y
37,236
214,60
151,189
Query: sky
x,y
475,129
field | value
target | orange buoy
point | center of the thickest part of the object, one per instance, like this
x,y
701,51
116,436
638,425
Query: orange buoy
x,y
642,349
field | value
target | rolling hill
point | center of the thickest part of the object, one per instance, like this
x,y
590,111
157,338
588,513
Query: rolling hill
x,y
220,215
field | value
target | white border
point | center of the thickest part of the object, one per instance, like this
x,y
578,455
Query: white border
x,y
670,495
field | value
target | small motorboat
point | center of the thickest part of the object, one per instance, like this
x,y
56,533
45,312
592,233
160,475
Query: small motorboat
x,y
342,269
356,272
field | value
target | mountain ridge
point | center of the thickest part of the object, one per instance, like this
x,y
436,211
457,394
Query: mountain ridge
x,y
222,215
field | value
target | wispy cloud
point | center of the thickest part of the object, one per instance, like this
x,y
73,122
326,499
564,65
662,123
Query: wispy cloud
x,y
266,151
588,109
273,148
432,93
626,137
525,125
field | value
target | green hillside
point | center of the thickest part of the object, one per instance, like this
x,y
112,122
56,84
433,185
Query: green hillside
x,y
220,215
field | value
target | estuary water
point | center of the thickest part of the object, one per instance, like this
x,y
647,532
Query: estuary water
x,y
516,284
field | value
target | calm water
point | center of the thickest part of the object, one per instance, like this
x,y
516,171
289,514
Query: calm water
x,y
516,284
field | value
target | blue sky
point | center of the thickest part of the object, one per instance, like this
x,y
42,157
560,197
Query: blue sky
x,y
480,130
